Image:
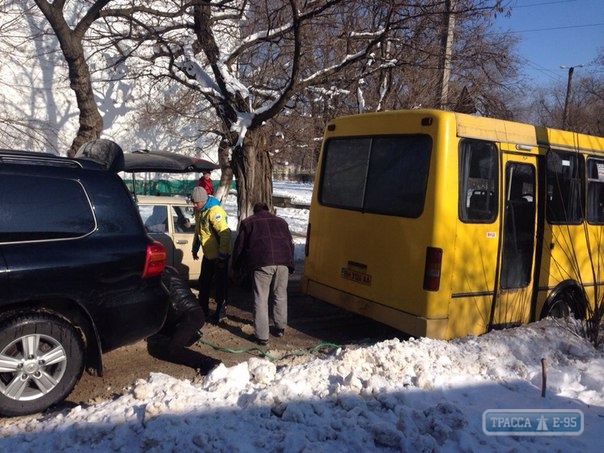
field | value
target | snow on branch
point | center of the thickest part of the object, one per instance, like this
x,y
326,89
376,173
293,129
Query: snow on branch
x,y
241,126
233,85
195,71
348,59
365,35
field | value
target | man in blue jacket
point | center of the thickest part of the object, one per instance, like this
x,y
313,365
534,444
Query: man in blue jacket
x,y
213,235
265,249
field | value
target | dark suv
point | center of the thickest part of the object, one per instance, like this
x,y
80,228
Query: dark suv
x,y
79,275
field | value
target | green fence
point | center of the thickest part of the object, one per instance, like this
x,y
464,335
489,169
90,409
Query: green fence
x,y
161,186
166,187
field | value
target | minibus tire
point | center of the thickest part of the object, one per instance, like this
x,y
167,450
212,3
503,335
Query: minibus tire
x,y
567,298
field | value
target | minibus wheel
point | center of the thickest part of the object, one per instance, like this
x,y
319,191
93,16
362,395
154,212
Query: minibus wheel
x,y
568,298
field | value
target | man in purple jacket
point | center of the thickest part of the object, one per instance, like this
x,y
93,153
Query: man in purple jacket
x,y
265,249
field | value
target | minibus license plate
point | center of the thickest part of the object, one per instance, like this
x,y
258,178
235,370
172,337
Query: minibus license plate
x,y
355,276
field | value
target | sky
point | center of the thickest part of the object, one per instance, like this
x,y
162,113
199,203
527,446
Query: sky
x,y
556,33
417,395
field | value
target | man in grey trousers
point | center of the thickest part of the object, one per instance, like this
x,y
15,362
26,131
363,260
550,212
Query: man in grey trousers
x,y
265,249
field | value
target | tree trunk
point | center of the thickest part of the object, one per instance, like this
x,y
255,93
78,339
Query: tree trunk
x,y
226,174
253,170
91,121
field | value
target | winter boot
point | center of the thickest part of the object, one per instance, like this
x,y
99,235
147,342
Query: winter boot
x,y
205,306
219,314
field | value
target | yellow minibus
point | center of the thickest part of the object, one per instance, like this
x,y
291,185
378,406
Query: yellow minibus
x,y
443,224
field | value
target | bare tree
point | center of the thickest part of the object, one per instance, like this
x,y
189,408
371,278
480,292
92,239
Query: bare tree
x,y
432,51
248,59
405,69
71,42
254,61
585,106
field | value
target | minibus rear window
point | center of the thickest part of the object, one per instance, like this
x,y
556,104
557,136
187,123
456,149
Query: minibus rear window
x,y
382,175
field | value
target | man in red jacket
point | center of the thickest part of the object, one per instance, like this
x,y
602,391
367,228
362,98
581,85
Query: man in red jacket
x,y
264,247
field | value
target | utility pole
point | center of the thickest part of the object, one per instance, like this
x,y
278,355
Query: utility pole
x,y
446,44
571,70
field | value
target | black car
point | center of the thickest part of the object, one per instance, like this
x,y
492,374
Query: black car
x,y
79,275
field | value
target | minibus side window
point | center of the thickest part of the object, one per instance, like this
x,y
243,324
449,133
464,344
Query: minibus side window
x,y
564,187
382,174
595,191
478,181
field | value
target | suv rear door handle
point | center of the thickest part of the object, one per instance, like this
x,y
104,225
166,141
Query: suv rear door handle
x,y
182,241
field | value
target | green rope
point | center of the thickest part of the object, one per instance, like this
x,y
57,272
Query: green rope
x,y
262,352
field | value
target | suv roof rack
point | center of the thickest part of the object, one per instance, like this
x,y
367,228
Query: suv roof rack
x,y
36,158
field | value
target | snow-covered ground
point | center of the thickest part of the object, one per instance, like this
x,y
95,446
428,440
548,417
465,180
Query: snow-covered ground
x,y
417,395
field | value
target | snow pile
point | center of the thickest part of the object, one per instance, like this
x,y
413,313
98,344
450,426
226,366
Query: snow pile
x,y
415,395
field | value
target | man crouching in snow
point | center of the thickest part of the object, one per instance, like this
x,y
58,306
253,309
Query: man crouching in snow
x,y
182,327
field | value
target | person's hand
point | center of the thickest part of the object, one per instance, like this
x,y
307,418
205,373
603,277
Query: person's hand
x,y
195,256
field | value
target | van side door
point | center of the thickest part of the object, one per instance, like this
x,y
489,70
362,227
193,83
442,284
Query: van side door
x,y
517,250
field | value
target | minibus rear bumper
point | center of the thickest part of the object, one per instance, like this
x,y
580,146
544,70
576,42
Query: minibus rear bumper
x,y
400,320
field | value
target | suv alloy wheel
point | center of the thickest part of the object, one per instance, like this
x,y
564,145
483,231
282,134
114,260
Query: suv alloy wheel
x,y
41,360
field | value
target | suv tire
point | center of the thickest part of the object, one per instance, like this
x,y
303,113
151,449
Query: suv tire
x,y
41,360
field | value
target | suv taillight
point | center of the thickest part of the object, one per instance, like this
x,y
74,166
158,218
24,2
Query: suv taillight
x,y
155,259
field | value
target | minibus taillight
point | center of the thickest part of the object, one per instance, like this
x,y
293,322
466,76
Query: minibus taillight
x,y
155,259
434,259
307,245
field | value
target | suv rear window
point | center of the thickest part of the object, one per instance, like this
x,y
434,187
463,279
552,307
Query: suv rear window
x,y
41,208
